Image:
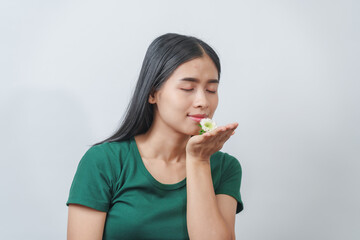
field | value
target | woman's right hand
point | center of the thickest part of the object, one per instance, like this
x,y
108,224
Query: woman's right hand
x,y
85,223
203,146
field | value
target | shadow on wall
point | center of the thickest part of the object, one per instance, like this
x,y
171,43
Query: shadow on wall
x,y
44,134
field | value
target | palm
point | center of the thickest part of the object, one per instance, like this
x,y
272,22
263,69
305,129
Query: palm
x,y
203,146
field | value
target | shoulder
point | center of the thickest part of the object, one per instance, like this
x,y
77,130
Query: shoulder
x,y
227,174
107,153
110,147
224,161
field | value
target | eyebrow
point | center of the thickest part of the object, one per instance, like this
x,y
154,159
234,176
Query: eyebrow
x,y
189,79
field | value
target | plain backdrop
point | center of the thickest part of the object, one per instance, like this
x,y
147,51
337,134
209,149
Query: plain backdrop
x,y
290,79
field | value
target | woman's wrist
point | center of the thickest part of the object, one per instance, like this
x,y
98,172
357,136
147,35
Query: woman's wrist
x,y
197,159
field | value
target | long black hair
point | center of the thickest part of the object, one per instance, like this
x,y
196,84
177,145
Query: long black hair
x,y
163,56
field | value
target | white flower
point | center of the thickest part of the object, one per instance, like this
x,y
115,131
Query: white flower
x,y
207,124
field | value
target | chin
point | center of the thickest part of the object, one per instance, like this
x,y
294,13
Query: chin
x,y
192,133
191,130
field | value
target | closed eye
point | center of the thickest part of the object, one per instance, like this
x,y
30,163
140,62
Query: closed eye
x,y
191,89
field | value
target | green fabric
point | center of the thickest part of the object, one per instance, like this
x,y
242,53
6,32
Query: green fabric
x,y
112,178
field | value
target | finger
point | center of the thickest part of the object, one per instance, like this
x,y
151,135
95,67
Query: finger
x,y
233,126
228,133
206,135
226,136
217,131
220,131
225,132
220,137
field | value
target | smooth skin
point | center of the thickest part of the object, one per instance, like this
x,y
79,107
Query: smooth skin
x,y
209,216
170,154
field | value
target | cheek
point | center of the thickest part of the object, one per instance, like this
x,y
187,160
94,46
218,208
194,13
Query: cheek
x,y
214,103
172,104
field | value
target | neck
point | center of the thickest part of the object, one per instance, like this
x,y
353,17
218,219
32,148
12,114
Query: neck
x,y
158,143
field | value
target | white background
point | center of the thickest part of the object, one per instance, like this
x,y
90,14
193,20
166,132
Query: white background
x,y
290,79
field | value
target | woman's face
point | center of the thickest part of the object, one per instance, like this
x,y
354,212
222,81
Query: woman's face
x,y
189,94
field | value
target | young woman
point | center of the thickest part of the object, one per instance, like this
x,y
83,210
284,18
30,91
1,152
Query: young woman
x,y
156,177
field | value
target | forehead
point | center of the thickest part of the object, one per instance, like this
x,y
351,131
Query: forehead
x,y
202,68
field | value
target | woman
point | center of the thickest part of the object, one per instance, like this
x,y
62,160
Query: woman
x,y
156,177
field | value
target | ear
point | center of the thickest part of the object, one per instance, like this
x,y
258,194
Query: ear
x,y
152,97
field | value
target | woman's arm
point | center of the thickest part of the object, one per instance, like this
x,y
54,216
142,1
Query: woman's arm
x,y
227,206
85,223
208,216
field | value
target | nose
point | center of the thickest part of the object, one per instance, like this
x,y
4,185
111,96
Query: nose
x,y
201,100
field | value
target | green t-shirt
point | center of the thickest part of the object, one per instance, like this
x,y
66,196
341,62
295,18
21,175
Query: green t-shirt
x,y
111,177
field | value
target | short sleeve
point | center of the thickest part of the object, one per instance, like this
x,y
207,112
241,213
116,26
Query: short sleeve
x,y
91,185
230,180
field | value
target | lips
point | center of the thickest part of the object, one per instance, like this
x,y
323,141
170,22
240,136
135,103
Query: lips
x,y
197,117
